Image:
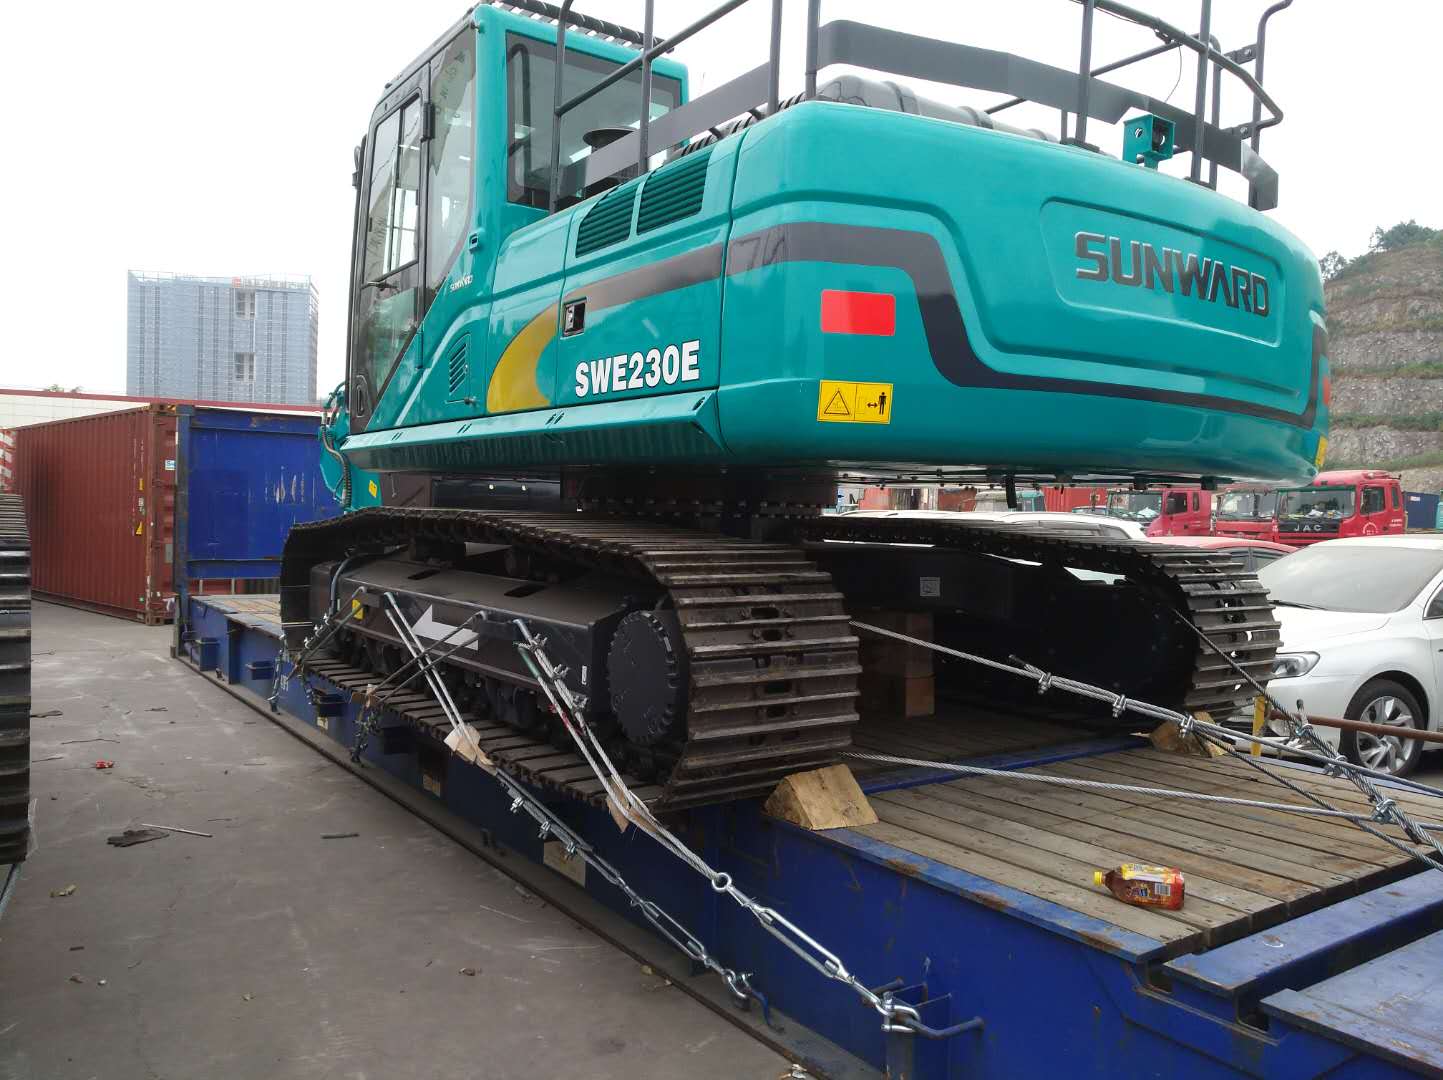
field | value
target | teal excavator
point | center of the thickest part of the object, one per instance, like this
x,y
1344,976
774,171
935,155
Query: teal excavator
x,y
612,348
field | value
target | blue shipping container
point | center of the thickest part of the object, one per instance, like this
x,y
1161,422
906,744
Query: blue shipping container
x,y
243,479
1421,508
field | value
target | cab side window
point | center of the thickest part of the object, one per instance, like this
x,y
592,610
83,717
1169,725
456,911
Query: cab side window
x,y
1176,503
391,238
387,300
1396,503
453,149
1435,606
1373,500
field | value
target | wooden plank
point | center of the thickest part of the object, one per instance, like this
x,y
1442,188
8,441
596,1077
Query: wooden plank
x,y
1257,787
1241,788
1260,788
926,748
1210,917
1001,730
1078,820
951,733
1099,905
1162,827
1224,770
1034,832
881,730
1339,790
1240,882
1333,846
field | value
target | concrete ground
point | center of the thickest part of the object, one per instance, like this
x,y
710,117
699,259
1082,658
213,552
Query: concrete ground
x,y
267,951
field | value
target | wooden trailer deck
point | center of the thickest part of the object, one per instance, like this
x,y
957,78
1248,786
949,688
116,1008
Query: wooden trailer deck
x,y
957,733
261,610
1246,868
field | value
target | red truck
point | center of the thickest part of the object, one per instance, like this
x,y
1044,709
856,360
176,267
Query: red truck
x,y
1064,500
1164,511
1350,502
1246,510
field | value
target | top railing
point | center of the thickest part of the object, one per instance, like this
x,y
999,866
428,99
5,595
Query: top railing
x,y
1078,96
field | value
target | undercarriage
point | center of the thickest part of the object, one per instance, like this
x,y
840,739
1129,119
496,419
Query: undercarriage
x,y
712,666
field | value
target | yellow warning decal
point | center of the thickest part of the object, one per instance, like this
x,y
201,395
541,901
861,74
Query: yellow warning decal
x,y
1322,451
854,402
140,529
371,487
357,611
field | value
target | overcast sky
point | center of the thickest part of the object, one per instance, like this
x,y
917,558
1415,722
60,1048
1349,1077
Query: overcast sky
x,y
213,138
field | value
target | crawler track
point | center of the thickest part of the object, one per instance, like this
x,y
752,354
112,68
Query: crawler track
x,y
1212,591
526,756
771,662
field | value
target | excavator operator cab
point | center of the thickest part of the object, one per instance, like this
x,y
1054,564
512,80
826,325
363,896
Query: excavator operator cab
x,y
465,135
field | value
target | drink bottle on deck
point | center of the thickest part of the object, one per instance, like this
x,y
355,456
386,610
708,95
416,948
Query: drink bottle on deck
x,y
1145,886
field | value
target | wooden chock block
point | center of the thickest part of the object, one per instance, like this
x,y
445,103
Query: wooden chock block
x,y
828,798
1167,738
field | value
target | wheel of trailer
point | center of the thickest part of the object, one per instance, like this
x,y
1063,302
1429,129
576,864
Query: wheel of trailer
x,y
1383,701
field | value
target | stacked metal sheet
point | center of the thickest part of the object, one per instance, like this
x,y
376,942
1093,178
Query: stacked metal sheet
x,y
14,681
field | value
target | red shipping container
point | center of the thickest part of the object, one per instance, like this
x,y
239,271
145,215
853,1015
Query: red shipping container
x,y
100,494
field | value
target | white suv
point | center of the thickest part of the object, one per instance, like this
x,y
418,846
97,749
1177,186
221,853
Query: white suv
x,y
1363,639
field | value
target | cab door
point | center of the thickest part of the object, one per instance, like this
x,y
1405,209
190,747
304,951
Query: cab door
x,y
1199,519
1433,635
386,268
1373,510
1397,517
1174,514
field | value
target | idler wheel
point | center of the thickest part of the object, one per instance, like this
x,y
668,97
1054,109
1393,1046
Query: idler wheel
x,y
646,669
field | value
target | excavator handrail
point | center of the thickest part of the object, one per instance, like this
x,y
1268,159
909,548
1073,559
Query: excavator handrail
x,y
1079,93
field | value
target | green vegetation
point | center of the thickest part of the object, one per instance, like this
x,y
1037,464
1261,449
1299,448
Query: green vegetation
x,y
1432,459
1423,369
1338,325
1431,421
1405,234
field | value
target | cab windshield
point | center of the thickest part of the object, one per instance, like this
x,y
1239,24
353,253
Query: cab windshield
x,y
1247,505
1351,577
1135,505
1316,504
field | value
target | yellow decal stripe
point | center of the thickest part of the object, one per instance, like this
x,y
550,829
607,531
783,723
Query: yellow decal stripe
x,y
514,384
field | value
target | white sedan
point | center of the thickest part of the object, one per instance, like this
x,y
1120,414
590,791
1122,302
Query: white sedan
x,y
1044,520
1363,639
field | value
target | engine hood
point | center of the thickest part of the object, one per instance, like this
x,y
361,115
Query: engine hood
x,y
1305,627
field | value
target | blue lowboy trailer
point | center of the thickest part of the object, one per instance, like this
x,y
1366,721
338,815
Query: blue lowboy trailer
x,y
1308,949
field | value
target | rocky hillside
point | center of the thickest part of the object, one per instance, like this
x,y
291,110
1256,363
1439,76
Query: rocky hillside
x,y
1385,328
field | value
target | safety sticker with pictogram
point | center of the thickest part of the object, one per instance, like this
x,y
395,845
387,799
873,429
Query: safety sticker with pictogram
x,y
854,402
